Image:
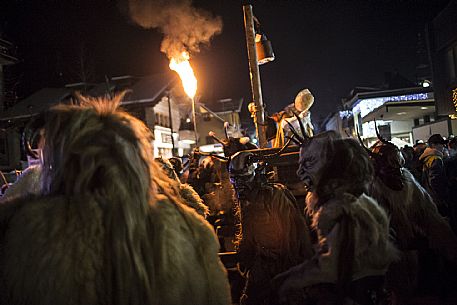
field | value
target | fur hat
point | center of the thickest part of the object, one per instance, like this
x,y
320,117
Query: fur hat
x,y
304,100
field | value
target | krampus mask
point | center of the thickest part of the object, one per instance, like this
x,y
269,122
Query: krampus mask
x,y
314,155
247,171
329,164
242,171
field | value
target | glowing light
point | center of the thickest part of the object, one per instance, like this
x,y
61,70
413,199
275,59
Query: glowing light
x,y
366,106
182,66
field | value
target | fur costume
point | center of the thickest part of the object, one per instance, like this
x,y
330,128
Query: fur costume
x,y
101,232
352,229
28,183
273,236
187,192
414,218
373,250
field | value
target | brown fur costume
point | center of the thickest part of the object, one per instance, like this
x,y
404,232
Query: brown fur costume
x,y
186,191
101,233
353,230
273,235
414,218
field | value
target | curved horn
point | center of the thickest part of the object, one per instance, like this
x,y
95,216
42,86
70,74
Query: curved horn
x,y
294,140
294,132
226,126
31,130
302,128
276,154
377,133
361,142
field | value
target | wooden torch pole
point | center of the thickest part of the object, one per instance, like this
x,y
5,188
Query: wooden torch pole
x,y
259,119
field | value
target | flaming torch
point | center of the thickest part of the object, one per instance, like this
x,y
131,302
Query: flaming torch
x,y
182,66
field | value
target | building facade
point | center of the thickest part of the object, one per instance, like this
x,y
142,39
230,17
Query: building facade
x,y
149,98
402,115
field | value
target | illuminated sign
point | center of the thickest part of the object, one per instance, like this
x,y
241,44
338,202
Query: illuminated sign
x,y
366,106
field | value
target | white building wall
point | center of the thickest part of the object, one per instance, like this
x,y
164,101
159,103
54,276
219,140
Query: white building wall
x,y
424,132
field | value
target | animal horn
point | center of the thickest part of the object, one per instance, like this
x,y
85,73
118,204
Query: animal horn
x,y
377,133
361,142
274,155
31,130
302,128
294,132
226,126
292,138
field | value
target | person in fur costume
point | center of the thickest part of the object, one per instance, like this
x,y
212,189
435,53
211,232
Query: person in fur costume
x,y
414,218
273,236
353,250
188,194
108,226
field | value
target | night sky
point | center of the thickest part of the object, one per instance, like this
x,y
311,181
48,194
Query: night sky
x,y
327,46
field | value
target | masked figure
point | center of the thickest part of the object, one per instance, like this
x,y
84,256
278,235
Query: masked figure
x,y
273,235
414,218
109,226
353,250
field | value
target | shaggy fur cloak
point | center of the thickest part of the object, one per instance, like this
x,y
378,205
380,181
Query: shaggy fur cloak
x,y
273,238
108,227
373,249
414,216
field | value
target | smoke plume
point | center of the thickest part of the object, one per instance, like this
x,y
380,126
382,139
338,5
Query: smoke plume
x,y
185,27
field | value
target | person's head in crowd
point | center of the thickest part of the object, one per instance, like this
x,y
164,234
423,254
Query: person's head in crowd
x,y
408,153
419,146
437,142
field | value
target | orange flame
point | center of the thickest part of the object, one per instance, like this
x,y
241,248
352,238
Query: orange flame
x,y
182,66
